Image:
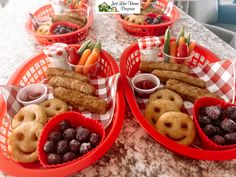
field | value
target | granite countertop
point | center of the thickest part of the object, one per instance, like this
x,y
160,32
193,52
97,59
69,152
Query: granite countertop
x,y
135,153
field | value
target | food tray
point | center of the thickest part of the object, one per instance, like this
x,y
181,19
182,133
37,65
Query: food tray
x,y
150,30
129,65
32,71
69,38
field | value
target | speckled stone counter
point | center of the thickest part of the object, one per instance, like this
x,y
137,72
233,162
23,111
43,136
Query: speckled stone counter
x,y
135,153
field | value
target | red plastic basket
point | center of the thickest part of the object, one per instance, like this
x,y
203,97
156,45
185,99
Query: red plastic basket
x,y
69,38
150,30
32,71
129,65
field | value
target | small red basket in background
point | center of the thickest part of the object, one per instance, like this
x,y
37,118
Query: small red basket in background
x,y
150,30
129,66
33,71
69,38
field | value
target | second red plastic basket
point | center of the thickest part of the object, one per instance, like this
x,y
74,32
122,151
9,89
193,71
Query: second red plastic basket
x,y
150,30
129,66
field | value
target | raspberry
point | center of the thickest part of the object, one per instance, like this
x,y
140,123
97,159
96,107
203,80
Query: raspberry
x,y
230,138
94,139
54,159
49,147
62,147
64,125
69,156
214,112
210,130
228,125
83,134
231,112
203,120
69,134
55,136
85,147
74,145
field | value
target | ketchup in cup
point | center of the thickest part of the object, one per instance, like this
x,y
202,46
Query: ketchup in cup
x,y
145,84
33,96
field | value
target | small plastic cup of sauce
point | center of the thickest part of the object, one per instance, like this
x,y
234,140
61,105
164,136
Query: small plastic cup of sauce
x,y
145,84
32,94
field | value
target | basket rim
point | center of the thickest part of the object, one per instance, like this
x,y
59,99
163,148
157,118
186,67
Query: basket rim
x,y
190,152
29,21
13,168
168,23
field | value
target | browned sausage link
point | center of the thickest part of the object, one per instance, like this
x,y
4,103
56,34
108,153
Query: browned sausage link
x,y
76,99
72,84
149,66
179,76
187,91
50,72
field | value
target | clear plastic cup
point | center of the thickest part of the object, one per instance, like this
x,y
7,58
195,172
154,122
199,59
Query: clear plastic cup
x,y
32,94
178,60
144,93
82,69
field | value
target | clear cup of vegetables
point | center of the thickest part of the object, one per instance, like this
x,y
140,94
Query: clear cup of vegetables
x,y
180,50
85,59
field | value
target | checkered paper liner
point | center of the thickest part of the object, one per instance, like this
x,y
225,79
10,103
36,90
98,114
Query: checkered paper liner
x,y
105,89
167,9
149,42
220,77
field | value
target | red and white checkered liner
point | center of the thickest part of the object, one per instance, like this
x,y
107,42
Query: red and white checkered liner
x,y
220,77
105,89
166,8
149,42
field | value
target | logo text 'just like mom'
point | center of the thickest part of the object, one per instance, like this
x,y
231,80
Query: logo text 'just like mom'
x,y
117,6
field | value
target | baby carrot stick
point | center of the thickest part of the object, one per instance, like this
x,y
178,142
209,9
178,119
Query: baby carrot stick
x,y
91,60
82,60
191,47
173,48
84,56
181,41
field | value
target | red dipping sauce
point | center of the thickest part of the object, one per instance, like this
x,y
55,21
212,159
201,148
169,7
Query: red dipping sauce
x,y
144,85
33,96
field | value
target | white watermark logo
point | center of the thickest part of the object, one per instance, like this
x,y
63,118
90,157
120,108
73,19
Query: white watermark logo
x,y
117,6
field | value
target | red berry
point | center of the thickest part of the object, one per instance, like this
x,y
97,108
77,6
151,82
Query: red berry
x,y
59,53
183,50
73,56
